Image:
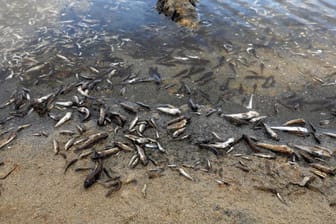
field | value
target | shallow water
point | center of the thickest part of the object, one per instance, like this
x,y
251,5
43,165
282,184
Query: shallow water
x,y
292,41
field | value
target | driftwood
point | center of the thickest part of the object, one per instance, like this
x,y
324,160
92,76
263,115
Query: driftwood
x,y
181,11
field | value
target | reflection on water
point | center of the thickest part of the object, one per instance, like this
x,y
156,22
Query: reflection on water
x,y
265,46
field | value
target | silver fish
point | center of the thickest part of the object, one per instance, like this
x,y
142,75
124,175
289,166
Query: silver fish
x,y
64,119
185,174
291,129
56,146
243,116
271,133
221,145
171,110
142,155
133,123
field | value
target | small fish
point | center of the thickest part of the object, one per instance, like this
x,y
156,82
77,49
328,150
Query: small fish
x,y
139,140
144,191
221,145
250,104
106,152
69,163
299,130
185,174
124,147
243,116
7,140
265,156
64,119
56,146
178,125
171,110
330,134
299,121
270,132
133,123
84,111
129,106
94,175
314,150
276,148
102,115
92,139
142,155
63,58
36,68
70,143
134,161
178,132
323,168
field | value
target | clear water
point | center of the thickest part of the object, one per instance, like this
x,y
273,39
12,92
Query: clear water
x,y
293,42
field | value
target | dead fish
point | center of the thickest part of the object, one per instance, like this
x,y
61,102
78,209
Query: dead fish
x,y
94,175
69,163
129,106
21,127
250,143
93,69
265,156
36,68
80,128
144,191
299,121
84,111
178,125
175,120
299,130
70,143
2,177
92,139
134,161
243,116
276,148
7,140
64,119
271,133
106,152
139,140
115,186
124,147
185,174
171,110
221,145
178,132
102,115
142,155
319,173
146,106
133,123
323,168
56,146
250,104
314,150
67,132
330,134
257,119
63,58
64,103
142,126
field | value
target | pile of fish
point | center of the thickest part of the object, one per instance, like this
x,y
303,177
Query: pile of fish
x,y
136,133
